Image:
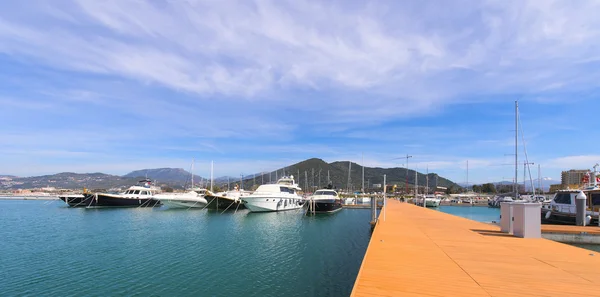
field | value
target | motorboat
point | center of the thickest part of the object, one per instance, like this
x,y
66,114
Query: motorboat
x,y
562,208
141,195
432,201
280,196
194,198
324,201
495,202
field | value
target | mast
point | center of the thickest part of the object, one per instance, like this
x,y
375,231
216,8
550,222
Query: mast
x,y
516,149
467,176
193,173
305,180
427,181
363,173
417,186
540,180
349,171
211,175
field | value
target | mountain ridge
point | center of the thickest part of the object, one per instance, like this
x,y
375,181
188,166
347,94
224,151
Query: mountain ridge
x,y
180,178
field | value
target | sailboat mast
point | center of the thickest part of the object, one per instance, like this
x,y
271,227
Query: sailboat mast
x,y
363,173
349,170
193,173
467,175
427,181
211,175
516,149
540,180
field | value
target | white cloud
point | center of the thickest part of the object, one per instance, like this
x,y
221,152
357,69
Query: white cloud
x,y
574,162
250,48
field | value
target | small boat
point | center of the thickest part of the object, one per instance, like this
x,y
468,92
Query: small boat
x,y
324,201
275,197
136,196
495,202
562,209
194,198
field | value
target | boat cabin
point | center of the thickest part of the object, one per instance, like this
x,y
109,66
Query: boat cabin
x,y
325,193
564,200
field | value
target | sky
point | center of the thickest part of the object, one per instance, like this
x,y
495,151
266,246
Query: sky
x,y
116,86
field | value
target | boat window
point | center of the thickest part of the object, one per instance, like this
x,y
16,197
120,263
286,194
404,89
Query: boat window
x,y
595,198
283,189
126,192
563,198
136,192
144,193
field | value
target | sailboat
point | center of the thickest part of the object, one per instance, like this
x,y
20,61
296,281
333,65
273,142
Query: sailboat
x,y
222,201
193,198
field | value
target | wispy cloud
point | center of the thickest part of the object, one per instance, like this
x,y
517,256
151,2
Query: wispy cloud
x,y
290,79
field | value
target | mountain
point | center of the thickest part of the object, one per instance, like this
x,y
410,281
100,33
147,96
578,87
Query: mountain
x,y
313,174
68,180
177,175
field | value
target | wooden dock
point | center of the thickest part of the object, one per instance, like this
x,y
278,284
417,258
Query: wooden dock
x,y
424,252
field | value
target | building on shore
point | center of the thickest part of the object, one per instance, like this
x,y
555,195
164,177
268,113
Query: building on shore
x,y
572,177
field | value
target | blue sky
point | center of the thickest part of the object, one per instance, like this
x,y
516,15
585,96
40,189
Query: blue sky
x,y
115,86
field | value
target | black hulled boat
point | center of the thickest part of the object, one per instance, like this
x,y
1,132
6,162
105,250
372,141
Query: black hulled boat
x,y
135,196
324,201
77,200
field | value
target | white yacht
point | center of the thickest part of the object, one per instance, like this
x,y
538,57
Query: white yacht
x,y
432,201
193,198
275,197
324,201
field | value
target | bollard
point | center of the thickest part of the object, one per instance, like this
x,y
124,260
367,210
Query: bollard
x,y
580,201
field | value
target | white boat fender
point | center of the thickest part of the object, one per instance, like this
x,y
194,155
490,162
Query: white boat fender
x,y
588,219
548,214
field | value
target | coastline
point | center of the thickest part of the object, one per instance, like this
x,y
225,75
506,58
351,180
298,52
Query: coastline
x,y
28,197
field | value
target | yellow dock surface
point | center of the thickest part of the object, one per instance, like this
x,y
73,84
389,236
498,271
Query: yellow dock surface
x,y
424,252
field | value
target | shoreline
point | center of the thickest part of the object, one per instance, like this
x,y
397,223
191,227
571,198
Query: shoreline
x,y
28,197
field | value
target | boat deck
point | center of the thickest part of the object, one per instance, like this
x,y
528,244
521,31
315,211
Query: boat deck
x,y
423,252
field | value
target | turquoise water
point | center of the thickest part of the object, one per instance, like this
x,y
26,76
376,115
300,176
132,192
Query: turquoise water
x,y
475,213
49,249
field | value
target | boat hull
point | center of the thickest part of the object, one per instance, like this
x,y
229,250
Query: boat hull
x,y
175,203
326,206
563,218
105,200
223,203
267,204
432,203
75,201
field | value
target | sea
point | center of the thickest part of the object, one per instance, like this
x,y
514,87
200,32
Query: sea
x,y
49,249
